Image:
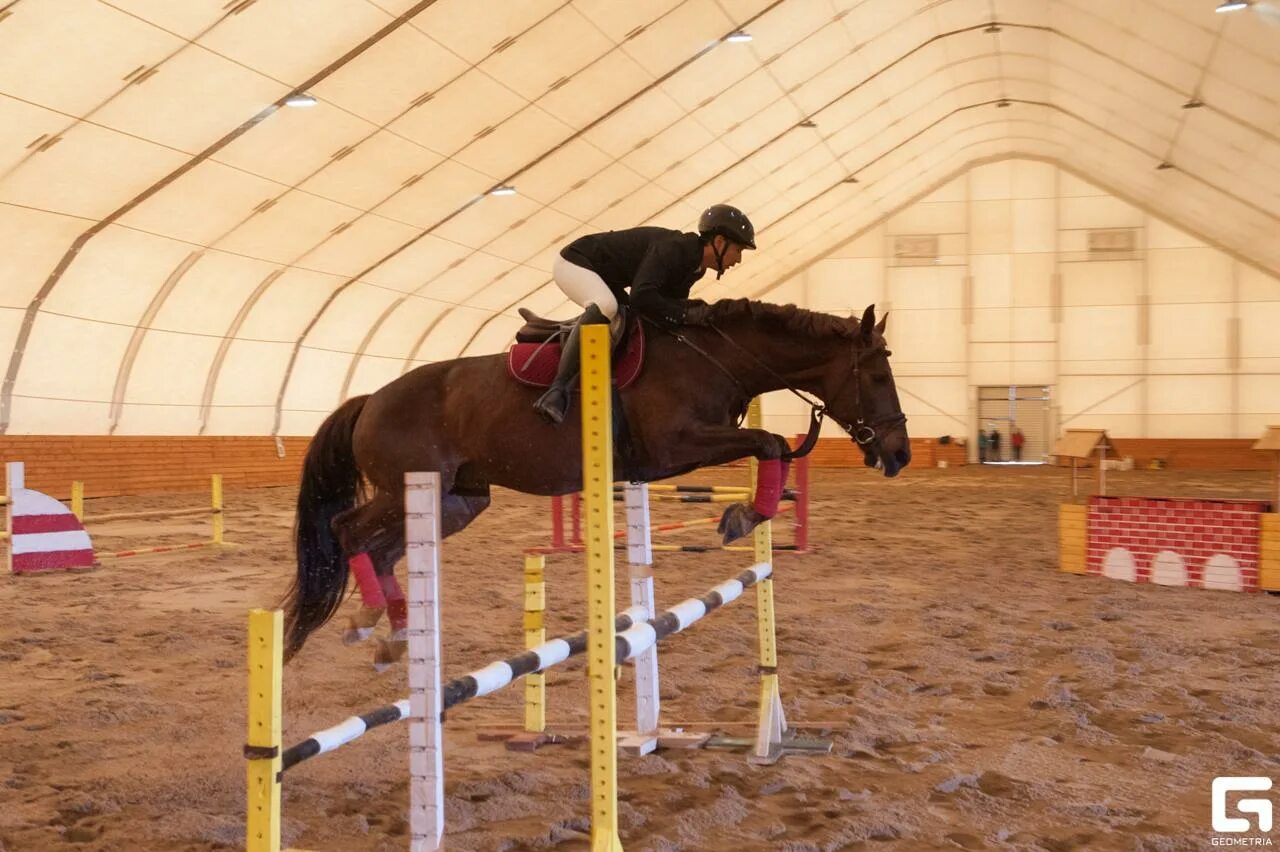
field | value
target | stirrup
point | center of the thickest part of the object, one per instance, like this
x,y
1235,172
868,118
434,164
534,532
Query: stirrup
x,y
552,410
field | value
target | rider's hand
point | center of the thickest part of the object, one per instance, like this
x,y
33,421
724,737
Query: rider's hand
x,y
696,312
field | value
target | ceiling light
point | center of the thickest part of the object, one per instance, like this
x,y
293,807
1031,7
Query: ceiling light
x,y
1002,103
993,28
1194,103
1232,6
300,99
808,122
504,189
738,37
1165,165
850,179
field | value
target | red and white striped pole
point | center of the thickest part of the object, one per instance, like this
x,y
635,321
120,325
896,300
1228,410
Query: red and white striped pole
x,y
802,504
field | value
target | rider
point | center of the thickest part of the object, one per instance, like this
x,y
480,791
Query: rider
x,y
659,265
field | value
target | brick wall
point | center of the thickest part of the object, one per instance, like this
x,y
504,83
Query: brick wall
x,y
925,452
111,466
1126,532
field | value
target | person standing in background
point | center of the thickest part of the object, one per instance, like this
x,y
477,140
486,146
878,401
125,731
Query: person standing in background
x,y
982,447
994,451
1016,440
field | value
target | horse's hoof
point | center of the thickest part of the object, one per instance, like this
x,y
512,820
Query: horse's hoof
x,y
361,623
356,635
390,650
738,520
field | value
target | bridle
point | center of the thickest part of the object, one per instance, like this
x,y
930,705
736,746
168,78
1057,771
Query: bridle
x,y
863,432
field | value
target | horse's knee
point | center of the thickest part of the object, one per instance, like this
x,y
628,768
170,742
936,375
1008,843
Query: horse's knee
x,y
458,511
782,445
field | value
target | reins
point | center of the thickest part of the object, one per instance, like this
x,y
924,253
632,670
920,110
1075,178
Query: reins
x,y
862,431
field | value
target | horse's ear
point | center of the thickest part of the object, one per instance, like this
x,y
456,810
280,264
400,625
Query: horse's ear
x,y
884,320
868,321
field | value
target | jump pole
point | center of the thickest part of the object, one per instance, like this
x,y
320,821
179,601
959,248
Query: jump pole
x,y
215,510
7,500
802,504
644,738
263,745
649,735
535,633
772,721
597,491
426,700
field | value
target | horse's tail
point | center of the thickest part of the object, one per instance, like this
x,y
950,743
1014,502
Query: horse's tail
x,y
330,485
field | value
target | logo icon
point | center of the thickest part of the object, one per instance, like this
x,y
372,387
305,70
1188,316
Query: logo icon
x,y
1261,808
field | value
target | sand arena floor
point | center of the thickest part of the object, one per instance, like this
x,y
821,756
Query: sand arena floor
x,y
977,697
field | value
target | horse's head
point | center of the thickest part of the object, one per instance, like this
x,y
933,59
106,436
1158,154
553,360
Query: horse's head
x,y
864,400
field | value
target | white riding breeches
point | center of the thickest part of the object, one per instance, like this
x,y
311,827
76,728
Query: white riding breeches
x,y
584,286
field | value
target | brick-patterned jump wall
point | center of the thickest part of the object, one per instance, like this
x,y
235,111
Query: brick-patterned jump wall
x,y
1198,543
112,466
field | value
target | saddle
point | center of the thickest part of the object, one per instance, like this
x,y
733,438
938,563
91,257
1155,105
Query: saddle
x,y
538,329
535,356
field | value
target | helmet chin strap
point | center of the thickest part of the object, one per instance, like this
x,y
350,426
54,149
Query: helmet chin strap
x,y
719,253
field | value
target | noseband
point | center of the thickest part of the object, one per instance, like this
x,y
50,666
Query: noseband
x,y
862,431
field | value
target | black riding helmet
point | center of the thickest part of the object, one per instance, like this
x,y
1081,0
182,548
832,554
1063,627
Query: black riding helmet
x,y
730,223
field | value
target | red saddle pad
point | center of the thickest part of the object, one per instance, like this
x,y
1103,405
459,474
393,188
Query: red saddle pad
x,y
535,364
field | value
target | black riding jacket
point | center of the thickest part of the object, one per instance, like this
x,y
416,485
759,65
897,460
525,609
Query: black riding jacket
x,y
659,265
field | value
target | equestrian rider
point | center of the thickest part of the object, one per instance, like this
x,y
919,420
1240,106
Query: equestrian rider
x,y
660,266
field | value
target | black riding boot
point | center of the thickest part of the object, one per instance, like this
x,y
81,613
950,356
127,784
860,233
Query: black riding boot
x,y
555,402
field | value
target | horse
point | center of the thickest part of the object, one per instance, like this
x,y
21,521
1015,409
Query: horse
x,y
471,422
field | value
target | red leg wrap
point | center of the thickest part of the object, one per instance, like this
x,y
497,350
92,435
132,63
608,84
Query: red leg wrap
x,y
397,609
367,580
771,478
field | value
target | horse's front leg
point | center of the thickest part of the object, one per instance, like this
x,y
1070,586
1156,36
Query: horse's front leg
x,y
711,445
457,512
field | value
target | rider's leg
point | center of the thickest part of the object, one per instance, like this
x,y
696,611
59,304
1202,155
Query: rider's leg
x,y
584,287
589,290
555,402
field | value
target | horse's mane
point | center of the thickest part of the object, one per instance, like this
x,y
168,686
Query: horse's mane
x,y
783,317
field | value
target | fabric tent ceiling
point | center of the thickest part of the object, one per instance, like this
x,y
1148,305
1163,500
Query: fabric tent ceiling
x,y
184,255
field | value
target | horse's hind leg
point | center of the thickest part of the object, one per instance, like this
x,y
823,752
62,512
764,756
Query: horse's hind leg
x,y
457,511
372,536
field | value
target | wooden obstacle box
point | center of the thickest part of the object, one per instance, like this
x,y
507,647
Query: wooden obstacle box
x,y
1230,545
43,534
214,510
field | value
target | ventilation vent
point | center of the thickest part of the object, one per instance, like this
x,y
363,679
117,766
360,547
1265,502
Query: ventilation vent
x,y
1113,244
915,249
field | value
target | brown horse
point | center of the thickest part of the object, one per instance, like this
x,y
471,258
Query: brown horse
x,y
468,420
